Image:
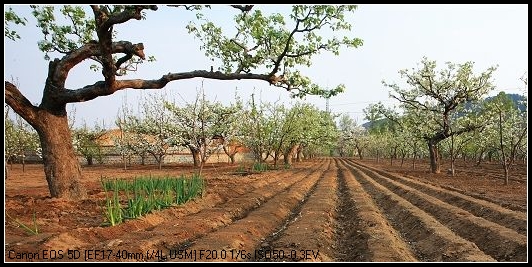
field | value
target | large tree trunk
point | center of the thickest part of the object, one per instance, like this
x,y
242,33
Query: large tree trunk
x,y
160,161
403,155
453,156
61,165
434,157
453,171
287,158
124,161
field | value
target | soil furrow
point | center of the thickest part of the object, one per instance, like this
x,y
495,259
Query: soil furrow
x,y
366,233
481,208
323,209
149,227
501,243
431,240
313,223
189,228
239,239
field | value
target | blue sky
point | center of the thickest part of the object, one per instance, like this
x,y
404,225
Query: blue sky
x,y
395,37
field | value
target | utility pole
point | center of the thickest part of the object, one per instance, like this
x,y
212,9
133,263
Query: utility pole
x,y
328,110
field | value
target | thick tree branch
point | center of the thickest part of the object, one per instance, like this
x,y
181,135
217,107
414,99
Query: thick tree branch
x,y
101,89
20,104
92,50
104,30
131,50
130,12
442,135
243,8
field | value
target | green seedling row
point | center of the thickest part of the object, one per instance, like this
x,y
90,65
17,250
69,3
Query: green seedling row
x,y
260,167
131,199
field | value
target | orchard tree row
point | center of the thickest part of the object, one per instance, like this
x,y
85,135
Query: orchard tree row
x,y
20,140
271,131
442,113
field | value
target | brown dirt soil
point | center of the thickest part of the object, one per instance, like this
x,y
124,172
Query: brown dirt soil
x,y
327,209
485,181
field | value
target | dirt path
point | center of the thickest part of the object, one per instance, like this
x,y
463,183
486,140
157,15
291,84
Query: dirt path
x,y
321,210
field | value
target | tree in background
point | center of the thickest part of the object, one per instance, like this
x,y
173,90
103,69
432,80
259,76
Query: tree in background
x,y
256,128
86,143
346,144
150,131
509,126
201,126
232,132
20,140
437,94
263,48
312,129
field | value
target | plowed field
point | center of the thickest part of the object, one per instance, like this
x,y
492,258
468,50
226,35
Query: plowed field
x,y
327,209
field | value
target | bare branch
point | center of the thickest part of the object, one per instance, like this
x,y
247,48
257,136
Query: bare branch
x,y
20,104
101,89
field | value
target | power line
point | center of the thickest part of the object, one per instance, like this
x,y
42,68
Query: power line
x,y
363,102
